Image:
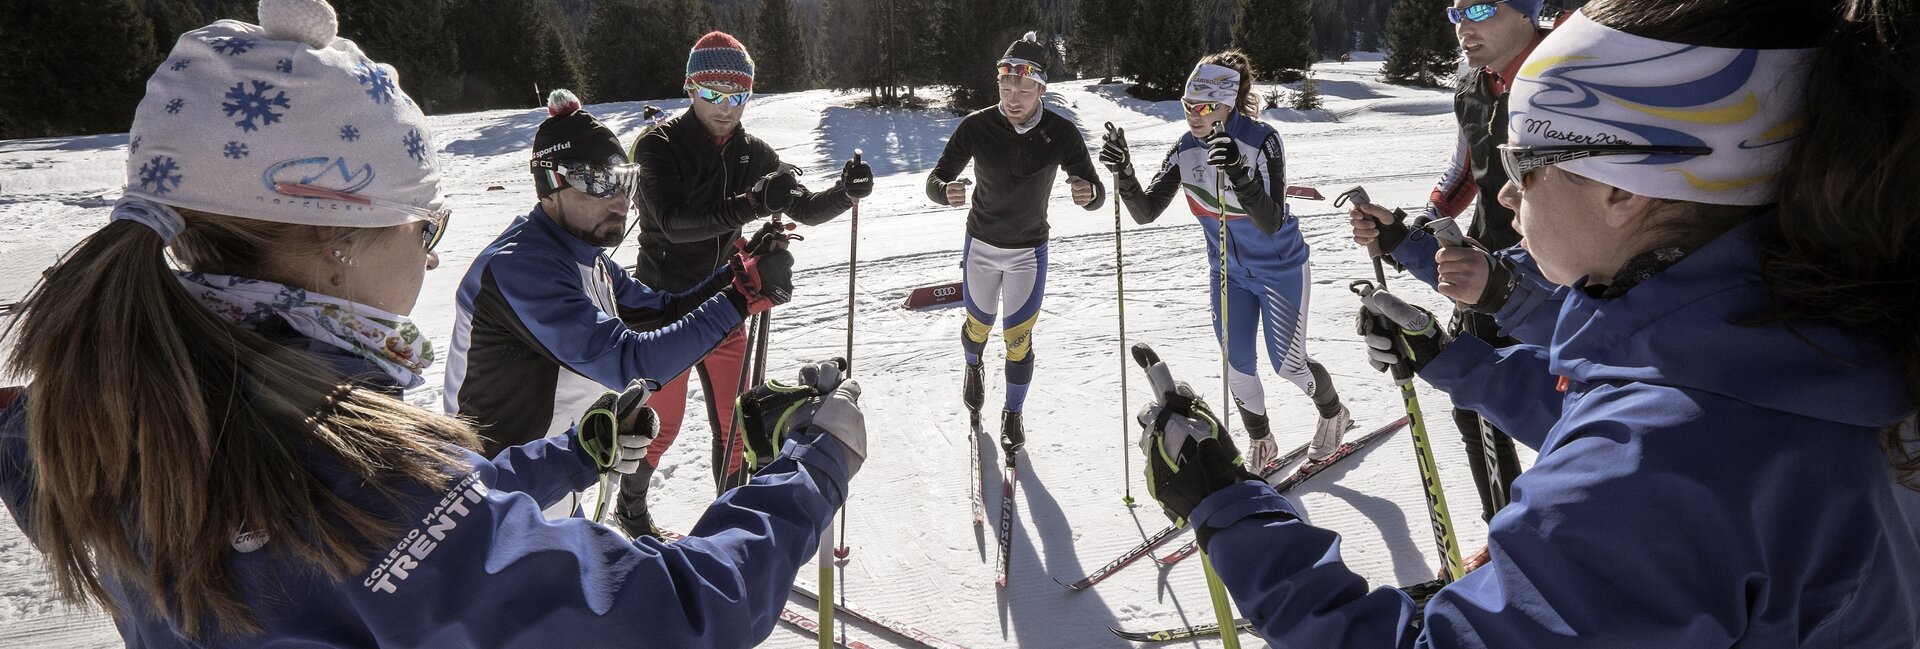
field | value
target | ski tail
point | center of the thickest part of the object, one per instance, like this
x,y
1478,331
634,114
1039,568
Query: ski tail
x,y
1207,630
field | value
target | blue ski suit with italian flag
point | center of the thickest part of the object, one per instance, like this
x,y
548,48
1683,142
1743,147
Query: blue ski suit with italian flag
x,y
1706,478
1268,279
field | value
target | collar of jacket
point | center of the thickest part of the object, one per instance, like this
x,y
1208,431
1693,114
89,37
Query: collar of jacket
x,y
581,251
1696,326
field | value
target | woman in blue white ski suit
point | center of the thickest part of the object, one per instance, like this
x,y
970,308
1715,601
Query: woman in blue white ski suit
x,y
219,455
1726,405
1228,154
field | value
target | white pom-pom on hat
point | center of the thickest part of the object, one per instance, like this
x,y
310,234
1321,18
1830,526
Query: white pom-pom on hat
x,y
561,103
306,21
1032,37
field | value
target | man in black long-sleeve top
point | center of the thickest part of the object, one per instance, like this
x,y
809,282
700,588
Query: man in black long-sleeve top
x,y
702,179
1017,146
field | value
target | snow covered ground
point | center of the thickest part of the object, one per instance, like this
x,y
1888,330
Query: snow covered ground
x,y
916,555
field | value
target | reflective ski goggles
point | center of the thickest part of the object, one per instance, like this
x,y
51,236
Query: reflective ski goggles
x,y
1518,161
1202,108
1021,70
1478,13
435,220
718,98
598,181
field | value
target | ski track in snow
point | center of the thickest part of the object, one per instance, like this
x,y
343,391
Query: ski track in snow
x,y
916,555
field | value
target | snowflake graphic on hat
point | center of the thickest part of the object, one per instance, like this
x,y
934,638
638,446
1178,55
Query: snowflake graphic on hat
x,y
349,133
416,146
160,175
181,64
254,105
379,84
236,150
232,45
175,105
285,66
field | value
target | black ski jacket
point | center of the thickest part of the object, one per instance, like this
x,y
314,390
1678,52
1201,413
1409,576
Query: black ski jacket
x,y
1013,174
693,201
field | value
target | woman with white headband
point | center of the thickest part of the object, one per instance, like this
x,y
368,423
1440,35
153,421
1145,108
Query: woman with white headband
x,y
214,450
1729,393
1229,161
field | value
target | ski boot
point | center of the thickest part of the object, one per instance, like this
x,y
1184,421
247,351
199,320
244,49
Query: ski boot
x,y
1327,433
637,525
973,390
1262,450
1013,434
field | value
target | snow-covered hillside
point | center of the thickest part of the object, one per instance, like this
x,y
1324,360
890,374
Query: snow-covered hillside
x,y
916,555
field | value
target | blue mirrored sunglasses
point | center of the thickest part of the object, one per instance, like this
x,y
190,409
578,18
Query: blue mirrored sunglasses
x,y
1476,13
718,98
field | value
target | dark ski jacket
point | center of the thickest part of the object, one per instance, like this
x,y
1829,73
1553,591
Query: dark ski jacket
x,y
538,336
1013,174
692,200
476,564
1475,175
1700,483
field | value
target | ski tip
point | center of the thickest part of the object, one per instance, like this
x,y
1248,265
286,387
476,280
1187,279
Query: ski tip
x,y
1071,586
1001,581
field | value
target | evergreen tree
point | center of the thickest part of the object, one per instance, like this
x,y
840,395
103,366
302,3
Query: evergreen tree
x,y
848,46
1165,43
779,54
1423,47
616,29
1274,35
1100,33
1332,31
70,72
1308,96
973,34
512,52
171,18
412,37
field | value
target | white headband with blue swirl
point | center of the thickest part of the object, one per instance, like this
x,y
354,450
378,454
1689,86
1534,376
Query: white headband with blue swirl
x,y
1588,84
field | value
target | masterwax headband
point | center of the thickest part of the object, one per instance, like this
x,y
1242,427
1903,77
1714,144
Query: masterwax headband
x,y
1591,85
1215,83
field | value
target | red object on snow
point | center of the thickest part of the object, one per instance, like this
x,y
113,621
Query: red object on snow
x,y
927,296
1308,193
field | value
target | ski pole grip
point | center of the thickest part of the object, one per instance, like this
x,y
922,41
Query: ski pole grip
x,y
1111,129
1408,316
856,155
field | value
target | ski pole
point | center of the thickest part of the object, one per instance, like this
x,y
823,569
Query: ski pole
x,y
1447,231
1222,609
1358,196
853,261
1443,536
1120,290
1226,355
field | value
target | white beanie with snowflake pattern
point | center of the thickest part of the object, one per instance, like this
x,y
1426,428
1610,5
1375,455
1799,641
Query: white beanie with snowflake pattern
x,y
282,121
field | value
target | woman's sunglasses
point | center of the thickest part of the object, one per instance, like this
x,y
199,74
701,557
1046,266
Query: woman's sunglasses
x,y
430,234
1202,108
1518,161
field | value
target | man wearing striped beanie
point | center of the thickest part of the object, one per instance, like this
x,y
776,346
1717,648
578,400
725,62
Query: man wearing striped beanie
x,y
702,179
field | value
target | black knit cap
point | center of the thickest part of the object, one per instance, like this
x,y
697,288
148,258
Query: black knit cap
x,y
573,135
1027,49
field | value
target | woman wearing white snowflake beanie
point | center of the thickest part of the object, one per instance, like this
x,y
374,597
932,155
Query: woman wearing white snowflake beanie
x,y
212,447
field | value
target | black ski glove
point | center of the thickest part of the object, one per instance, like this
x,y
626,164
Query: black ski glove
x,y
765,281
1223,152
1398,334
768,413
617,428
1189,456
857,177
1114,154
775,192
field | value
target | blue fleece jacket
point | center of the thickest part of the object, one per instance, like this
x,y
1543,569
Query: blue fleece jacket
x,y
476,565
1701,483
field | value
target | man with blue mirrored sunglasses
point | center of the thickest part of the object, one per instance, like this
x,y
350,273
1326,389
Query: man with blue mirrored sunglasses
x,y
703,177
1495,37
